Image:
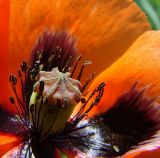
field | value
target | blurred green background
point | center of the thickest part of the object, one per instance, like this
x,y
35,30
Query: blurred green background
x,y
152,9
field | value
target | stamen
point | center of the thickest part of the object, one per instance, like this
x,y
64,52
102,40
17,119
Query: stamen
x,y
59,44
51,62
13,80
28,148
41,86
22,147
35,113
39,113
22,87
22,108
32,116
58,51
82,68
24,66
81,113
87,82
35,70
39,55
56,116
43,120
68,63
20,119
76,64
100,90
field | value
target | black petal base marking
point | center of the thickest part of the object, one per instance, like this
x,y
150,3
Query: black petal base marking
x,y
132,122
54,50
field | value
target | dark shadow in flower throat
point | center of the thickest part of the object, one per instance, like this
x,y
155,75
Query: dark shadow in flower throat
x,y
54,50
9,123
43,149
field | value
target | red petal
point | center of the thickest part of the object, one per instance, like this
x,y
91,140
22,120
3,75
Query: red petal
x,y
4,35
140,63
145,154
7,142
149,154
104,30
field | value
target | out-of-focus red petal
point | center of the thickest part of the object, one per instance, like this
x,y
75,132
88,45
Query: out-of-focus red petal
x,y
151,154
7,142
145,154
4,38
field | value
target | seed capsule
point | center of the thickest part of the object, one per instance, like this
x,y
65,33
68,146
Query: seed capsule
x,y
60,96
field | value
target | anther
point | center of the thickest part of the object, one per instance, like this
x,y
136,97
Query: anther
x,y
83,100
24,66
58,50
51,58
13,79
39,55
82,112
12,100
101,86
66,67
19,111
51,62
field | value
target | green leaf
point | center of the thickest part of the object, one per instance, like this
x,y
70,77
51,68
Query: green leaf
x,y
152,10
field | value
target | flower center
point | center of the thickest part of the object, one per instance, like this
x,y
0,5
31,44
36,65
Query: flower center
x,y
51,89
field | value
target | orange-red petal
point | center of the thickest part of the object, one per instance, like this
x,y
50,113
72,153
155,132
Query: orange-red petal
x,y
104,29
151,154
144,154
7,142
4,38
140,63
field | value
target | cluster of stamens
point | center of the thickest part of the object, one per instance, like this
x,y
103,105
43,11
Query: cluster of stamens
x,y
48,94
51,86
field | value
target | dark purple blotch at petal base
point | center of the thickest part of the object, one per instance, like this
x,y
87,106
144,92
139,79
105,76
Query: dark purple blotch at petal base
x,y
133,119
43,149
55,47
3,115
132,122
9,123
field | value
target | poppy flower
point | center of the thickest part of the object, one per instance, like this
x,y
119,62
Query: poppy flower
x,y
49,109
